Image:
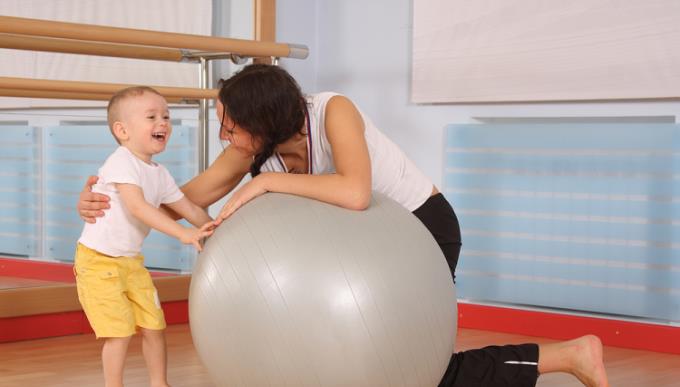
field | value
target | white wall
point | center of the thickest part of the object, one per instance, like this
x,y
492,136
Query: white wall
x,y
363,49
297,22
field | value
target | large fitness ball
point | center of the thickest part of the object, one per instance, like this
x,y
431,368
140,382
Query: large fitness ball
x,y
295,292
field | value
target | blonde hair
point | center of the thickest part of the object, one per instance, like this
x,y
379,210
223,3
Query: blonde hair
x,y
113,109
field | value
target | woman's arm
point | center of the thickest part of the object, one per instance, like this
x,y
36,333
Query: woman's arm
x,y
205,189
190,211
219,179
349,187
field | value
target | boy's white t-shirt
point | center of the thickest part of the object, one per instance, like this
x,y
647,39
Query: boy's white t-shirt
x,y
118,233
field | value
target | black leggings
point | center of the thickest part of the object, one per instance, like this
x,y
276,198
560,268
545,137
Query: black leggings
x,y
438,217
508,365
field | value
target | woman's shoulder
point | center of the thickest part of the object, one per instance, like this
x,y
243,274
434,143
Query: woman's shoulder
x,y
322,98
321,102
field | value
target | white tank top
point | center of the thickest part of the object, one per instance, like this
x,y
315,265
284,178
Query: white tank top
x,y
392,173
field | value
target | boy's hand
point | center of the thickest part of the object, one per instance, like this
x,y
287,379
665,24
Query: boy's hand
x,y
193,236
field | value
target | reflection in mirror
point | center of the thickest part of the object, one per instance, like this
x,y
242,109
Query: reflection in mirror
x,y
47,150
47,154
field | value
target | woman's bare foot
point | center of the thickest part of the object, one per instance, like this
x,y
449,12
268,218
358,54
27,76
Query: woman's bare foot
x,y
587,363
581,357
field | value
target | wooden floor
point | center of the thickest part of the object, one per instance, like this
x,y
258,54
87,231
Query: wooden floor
x,y
74,361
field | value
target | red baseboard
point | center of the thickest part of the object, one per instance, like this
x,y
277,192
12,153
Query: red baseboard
x,y
626,334
616,333
71,323
25,268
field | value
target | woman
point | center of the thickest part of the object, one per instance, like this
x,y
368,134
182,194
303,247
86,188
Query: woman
x,y
322,147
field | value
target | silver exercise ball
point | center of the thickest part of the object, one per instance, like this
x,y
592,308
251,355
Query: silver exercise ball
x,y
295,292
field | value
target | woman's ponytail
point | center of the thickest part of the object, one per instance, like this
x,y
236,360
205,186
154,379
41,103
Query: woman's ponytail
x,y
261,158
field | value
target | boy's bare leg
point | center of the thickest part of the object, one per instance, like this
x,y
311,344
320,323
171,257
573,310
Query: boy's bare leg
x,y
113,360
155,355
581,357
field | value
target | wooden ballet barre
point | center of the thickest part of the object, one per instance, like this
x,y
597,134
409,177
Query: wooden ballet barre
x,y
94,33
37,86
52,94
70,46
72,95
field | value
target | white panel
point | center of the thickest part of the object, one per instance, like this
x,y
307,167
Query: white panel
x,y
193,17
532,50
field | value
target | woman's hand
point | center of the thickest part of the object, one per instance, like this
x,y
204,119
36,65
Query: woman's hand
x,y
208,228
91,204
243,195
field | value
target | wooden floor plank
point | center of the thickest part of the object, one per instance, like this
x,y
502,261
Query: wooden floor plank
x,y
74,361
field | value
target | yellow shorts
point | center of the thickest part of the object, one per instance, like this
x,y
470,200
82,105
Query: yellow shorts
x,y
116,293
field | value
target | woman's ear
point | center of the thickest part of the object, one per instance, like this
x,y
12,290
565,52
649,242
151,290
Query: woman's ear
x,y
120,131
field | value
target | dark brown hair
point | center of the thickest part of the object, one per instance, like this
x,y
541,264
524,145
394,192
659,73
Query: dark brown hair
x,y
266,102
